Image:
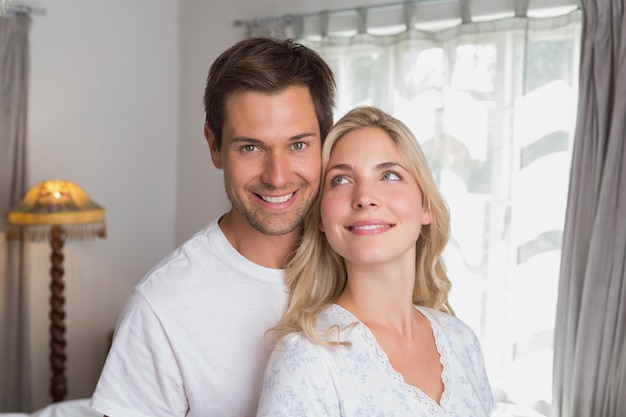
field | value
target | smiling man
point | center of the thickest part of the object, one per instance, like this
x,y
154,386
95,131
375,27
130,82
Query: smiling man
x,y
190,340
270,154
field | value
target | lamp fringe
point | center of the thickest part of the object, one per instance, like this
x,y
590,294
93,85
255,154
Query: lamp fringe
x,y
42,232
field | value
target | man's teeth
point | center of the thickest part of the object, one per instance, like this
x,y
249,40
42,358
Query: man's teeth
x,y
276,200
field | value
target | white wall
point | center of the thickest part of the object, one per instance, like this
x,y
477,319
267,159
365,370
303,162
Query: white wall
x,y
103,112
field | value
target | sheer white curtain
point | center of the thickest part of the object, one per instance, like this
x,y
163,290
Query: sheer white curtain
x,y
493,104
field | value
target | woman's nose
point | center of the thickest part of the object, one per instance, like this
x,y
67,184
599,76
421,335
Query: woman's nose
x,y
365,197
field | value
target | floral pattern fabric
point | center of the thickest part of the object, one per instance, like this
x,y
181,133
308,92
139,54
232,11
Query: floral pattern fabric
x,y
304,379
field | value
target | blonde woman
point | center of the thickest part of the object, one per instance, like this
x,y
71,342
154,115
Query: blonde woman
x,y
367,329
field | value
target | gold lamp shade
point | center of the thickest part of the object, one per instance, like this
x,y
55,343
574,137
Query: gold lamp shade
x,y
56,203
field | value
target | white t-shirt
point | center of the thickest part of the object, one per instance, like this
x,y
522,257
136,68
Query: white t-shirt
x,y
305,379
190,340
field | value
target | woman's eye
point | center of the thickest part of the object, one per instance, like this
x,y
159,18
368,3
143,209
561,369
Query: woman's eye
x,y
338,181
391,176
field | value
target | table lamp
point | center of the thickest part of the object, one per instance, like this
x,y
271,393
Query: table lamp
x,y
56,210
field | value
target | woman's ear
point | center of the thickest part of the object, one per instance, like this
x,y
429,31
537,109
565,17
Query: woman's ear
x,y
321,226
426,218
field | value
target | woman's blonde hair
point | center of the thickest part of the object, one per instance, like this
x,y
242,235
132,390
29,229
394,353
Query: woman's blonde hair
x,y
316,274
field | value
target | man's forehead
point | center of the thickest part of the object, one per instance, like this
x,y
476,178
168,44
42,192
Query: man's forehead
x,y
285,116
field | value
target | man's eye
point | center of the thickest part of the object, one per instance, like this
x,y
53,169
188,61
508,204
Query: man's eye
x,y
298,146
248,148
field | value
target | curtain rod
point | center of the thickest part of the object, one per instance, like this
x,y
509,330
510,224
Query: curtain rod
x,y
287,18
23,8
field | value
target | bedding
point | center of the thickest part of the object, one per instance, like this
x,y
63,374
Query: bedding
x,y
70,408
80,408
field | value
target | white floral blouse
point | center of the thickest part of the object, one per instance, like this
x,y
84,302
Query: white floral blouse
x,y
305,379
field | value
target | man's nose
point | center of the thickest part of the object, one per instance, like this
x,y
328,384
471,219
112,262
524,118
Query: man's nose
x,y
276,169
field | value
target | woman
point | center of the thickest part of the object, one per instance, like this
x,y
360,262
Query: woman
x,y
368,330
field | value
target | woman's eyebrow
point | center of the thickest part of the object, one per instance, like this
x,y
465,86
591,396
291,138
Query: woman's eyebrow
x,y
386,165
381,166
341,167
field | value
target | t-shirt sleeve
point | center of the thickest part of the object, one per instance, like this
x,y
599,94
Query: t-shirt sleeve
x,y
297,381
141,377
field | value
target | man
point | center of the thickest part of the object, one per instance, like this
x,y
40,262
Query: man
x,y
190,340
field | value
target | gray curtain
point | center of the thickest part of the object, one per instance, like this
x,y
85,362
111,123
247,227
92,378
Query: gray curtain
x,y
14,68
590,335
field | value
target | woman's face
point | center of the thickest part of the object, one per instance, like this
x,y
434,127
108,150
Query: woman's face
x,y
371,209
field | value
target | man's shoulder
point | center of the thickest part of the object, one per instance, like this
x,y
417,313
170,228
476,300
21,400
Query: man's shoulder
x,y
205,260
192,256
200,244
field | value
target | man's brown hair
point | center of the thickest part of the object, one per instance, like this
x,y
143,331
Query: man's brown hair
x,y
268,65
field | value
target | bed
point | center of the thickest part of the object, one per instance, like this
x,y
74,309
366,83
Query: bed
x,y
80,408
69,408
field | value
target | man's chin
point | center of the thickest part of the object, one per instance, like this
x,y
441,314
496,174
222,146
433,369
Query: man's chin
x,y
275,231
274,228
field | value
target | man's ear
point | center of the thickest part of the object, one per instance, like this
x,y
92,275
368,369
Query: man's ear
x,y
216,157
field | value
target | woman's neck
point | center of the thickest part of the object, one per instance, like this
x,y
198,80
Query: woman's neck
x,y
380,296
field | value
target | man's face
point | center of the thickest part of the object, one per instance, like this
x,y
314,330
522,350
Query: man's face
x,y
271,157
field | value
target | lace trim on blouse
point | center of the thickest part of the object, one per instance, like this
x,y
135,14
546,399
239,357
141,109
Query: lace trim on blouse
x,y
348,318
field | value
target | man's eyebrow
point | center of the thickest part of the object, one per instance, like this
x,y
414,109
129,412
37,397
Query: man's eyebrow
x,y
303,136
247,139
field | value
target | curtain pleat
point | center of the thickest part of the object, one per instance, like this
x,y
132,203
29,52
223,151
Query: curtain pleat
x,y
590,333
14,68
13,101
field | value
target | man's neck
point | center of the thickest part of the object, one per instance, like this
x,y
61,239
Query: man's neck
x,y
265,250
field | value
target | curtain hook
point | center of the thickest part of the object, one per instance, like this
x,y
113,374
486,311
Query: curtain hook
x,y
409,10
362,20
466,15
324,18
521,8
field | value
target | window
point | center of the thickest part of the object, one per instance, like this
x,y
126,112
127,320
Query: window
x,y
494,110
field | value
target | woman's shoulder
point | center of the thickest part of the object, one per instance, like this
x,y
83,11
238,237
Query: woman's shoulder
x,y
336,324
449,324
335,315
295,351
332,317
333,324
